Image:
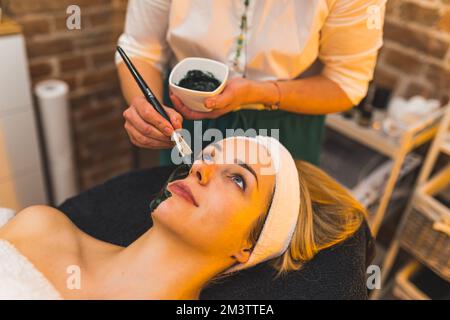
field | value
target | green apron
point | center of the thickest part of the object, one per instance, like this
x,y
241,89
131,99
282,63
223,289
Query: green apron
x,y
300,134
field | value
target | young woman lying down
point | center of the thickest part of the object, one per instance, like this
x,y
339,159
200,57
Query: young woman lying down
x,y
243,201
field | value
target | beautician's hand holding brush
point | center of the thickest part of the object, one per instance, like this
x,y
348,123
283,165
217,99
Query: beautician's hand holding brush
x,y
182,146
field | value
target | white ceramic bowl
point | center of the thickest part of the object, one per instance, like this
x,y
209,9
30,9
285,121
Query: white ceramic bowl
x,y
193,98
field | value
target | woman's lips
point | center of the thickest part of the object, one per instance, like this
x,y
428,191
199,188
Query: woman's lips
x,y
181,189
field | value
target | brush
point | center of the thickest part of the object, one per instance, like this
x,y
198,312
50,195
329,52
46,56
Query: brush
x,y
183,148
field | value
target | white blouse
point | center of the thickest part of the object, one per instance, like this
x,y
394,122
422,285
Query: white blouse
x,y
283,39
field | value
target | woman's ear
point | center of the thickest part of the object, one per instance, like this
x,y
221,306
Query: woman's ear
x,y
242,255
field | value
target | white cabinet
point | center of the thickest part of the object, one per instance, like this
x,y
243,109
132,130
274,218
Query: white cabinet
x,y
21,172
14,79
18,140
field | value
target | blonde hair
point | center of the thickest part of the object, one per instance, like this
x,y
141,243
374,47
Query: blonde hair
x,y
328,215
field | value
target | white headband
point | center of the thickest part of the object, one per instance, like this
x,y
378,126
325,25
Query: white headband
x,y
283,213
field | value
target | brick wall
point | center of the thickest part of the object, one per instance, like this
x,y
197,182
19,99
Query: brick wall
x,y
415,59
85,59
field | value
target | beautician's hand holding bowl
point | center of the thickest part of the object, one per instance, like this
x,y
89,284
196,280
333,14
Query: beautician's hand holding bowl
x,y
232,97
194,80
194,104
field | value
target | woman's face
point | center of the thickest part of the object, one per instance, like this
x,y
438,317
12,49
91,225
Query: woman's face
x,y
215,207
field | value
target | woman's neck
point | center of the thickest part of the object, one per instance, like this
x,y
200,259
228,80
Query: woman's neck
x,y
158,266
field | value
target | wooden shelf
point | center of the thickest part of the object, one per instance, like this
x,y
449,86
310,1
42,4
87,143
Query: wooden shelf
x,y
423,202
375,139
395,147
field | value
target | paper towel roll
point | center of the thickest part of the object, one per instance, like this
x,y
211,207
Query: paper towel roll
x,y
53,102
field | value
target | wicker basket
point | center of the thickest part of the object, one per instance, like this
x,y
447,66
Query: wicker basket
x,y
426,234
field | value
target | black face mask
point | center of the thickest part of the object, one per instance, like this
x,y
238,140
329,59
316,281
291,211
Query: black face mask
x,y
179,173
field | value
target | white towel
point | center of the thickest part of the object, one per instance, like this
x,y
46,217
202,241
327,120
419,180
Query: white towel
x,y
6,215
19,279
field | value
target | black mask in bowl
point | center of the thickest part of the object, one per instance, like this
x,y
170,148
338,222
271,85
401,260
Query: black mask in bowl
x,y
179,173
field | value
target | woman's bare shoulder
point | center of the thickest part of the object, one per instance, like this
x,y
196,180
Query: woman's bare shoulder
x,y
38,220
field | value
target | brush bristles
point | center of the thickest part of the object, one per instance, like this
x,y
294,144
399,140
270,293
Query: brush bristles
x,y
182,146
